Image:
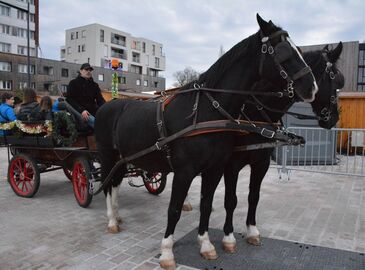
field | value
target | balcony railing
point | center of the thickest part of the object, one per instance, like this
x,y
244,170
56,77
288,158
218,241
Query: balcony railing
x,y
118,55
118,41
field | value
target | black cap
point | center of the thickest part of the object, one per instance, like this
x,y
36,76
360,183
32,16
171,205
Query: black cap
x,y
86,66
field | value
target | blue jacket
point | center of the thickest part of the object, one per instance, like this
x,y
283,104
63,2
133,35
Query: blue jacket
x,y
6,115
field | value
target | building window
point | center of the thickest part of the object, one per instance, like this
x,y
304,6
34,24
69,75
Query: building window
x,y
138,82
135,69
64,72
145,83
83,33
72,35
5,66
144,47
24,50
22,85
136,57
156,84
118,53
157,62
122,80
23,68
5,47
153,49
64,88
47,70
118,39
101,77
136,45
48,87
5,29
83,47
4,11
101,35
79,48
153,72
161,53
5,85
77,35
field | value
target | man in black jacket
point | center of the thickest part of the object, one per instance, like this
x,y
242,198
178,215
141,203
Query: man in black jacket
x,y
84,94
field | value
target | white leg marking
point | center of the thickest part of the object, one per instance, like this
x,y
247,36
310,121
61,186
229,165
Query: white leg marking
x,y
252,231
166,248
229,239
110,212
114,200
205,244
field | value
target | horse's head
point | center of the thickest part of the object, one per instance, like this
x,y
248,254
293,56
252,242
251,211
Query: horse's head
x,y
330,80
283,64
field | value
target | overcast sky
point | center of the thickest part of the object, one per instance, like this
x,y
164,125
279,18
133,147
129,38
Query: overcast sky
x,y
192,31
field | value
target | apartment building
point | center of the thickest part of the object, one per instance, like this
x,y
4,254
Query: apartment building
x,y
141,59
13,26
53,76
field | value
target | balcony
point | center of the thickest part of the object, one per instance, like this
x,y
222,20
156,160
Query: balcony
x,y
118,40
118,53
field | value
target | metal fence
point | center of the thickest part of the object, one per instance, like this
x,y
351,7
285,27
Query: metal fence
x,y
336,151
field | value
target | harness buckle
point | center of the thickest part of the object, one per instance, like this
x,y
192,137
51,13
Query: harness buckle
x,y
163,93
215,104
270,50
157,144
196,86
159,123
264,48
283,74
267,133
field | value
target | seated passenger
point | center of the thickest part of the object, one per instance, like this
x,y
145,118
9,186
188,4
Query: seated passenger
x,y
46,108
6,111
29,109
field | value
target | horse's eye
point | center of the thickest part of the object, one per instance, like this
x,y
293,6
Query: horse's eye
x,y
283,51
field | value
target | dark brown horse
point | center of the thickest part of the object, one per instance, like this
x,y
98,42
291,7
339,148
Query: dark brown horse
x,y
330,79
126,127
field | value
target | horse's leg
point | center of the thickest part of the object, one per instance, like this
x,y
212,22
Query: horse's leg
x,y
210,181
230,203
180,186
107,161
115,203
258,172
187,205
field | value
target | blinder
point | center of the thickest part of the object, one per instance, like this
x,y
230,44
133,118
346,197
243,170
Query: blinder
x,y
283,52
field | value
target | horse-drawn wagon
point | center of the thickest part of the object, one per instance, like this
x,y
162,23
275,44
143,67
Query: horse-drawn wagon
x,y
39,147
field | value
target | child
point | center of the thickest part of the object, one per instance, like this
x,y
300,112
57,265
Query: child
x,y
46,108
6,111
29,109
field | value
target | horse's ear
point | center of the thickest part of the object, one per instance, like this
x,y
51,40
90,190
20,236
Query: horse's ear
x,y
264,25
335,53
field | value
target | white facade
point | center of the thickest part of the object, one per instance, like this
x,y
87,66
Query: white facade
x,y
13,28
99,45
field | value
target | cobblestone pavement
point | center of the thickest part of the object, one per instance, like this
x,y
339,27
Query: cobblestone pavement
x,y
50,231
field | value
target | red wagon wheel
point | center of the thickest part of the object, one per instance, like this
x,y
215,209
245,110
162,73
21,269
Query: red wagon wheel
x,y
23,175
68,173
80,182
154,182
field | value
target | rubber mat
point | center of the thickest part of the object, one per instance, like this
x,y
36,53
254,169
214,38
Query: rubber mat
x,y
271,255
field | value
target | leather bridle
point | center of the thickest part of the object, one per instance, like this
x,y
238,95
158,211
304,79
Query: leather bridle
x,y
280,53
